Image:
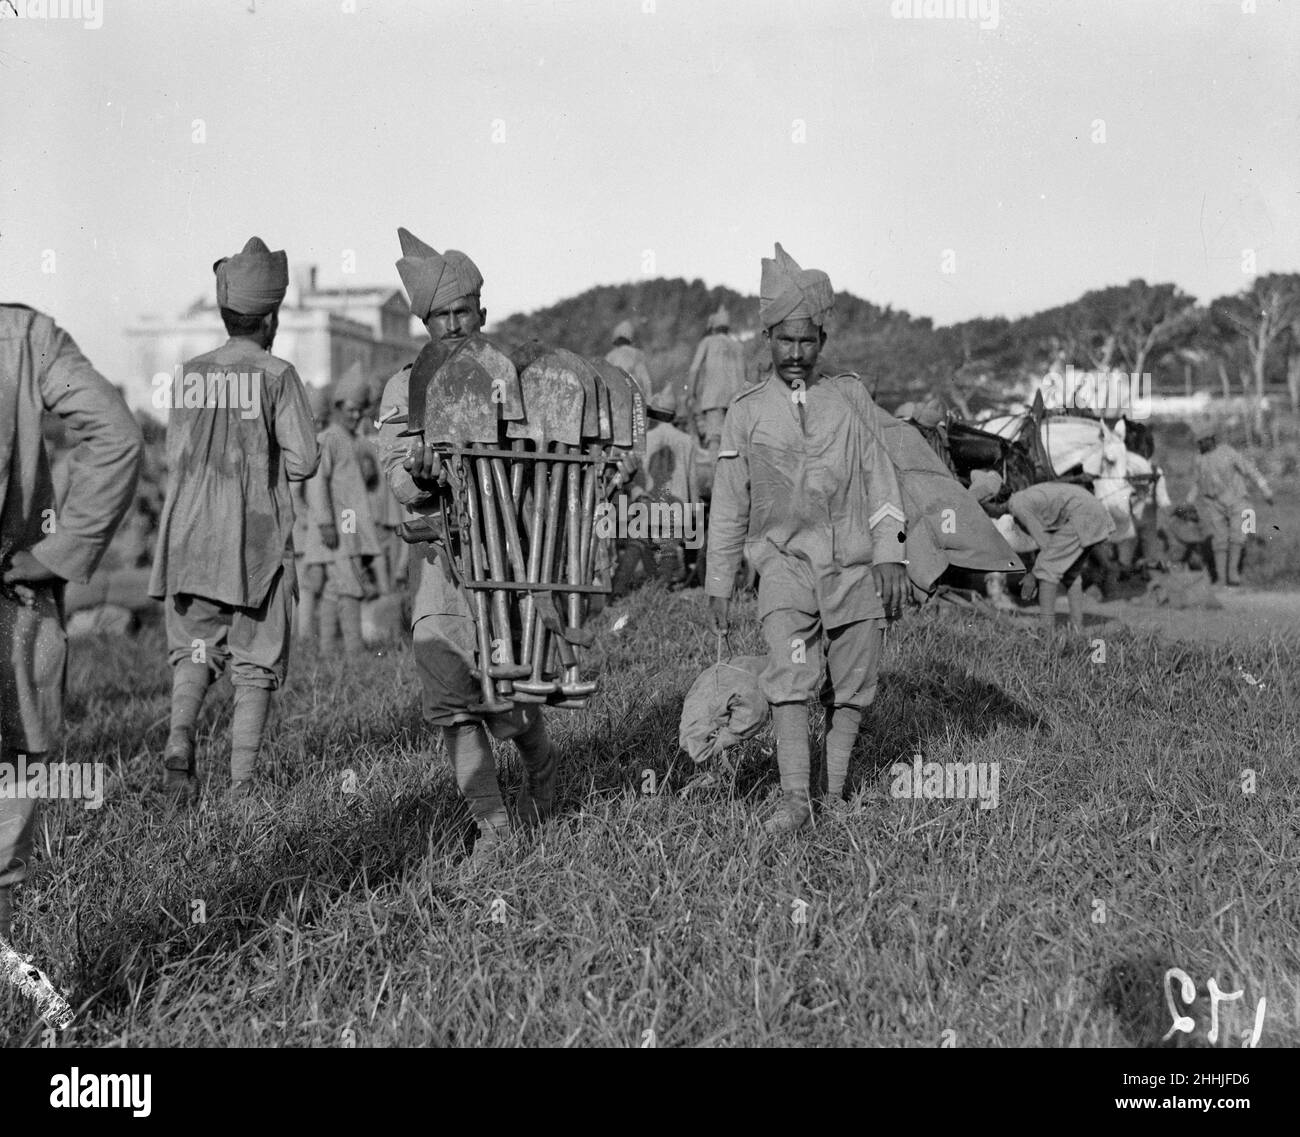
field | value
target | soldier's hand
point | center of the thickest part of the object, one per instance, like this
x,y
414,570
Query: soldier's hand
x,y
329,536
891,587
720,612
23,568
1028,587
424,464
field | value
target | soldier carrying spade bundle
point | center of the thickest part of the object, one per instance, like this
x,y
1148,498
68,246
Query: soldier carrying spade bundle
x,y
445,293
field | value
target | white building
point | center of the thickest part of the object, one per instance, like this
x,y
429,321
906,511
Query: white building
x,y
323,331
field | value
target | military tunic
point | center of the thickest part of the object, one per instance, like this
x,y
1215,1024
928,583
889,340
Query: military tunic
x,y
1219,489
337,495
632,360
716,376
224,559
805,488
41,369
1064,520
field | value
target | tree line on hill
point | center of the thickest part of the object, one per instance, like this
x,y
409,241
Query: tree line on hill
x,y
1246,343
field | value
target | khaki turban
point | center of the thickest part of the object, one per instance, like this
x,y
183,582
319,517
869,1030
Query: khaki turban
x,y
664,405
353,387
625,331
790,292
433,279
254,281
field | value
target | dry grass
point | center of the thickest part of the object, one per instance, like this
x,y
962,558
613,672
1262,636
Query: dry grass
x,y
337,918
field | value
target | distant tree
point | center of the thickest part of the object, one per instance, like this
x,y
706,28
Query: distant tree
x,y
1137,322
1260,316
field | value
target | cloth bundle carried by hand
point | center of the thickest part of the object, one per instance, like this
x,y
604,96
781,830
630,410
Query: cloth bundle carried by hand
x,y
724,706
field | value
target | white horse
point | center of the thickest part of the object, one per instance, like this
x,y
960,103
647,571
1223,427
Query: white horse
x,y
1121,479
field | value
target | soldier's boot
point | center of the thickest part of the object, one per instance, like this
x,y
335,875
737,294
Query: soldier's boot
x,y
306,625
1047,590
1074,596
1236,553
792,757
247,723
190,683
350,622
476,777
1221,567
328,616
841,733
536,798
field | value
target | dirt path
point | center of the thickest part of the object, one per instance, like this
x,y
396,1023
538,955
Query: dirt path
x,y
1245,616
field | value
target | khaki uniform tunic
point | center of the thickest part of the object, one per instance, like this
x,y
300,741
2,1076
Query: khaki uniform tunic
x,y
41,369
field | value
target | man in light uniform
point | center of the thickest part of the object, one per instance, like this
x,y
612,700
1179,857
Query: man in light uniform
x,y
631,359
445,293
341,544
385,509
1069,525
716,376
224,563
668,482
1219,494
805,488
42,547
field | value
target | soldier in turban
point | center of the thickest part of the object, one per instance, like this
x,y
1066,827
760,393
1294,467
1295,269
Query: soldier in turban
x,y
631,359
1069,526
669,482
340,544
805,489
444,289
1219,488
241,431
716,376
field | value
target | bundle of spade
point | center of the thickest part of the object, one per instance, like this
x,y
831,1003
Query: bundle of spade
x,y
532,447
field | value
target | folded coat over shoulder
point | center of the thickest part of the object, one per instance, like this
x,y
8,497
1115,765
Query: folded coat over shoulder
x,y
945,524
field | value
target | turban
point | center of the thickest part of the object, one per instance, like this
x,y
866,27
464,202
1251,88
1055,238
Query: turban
x,y
905,411
252,282
352,387
433,279
664,405
625,331
985,484
928,414
1203,430
790,292
720,319
318,398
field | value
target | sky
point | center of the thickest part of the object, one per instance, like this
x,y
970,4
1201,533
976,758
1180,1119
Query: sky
x,y
953,167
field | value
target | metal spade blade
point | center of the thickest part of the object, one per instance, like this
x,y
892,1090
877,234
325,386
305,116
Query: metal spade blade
x,y
470,393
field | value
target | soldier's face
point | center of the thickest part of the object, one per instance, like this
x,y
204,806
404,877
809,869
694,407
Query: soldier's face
x,y
796,344
351,413
1205,445
456,321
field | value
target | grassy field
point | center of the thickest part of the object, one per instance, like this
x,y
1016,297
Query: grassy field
x,y
1122,844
